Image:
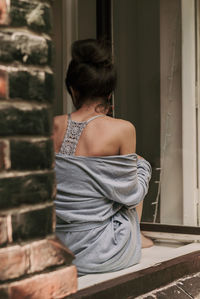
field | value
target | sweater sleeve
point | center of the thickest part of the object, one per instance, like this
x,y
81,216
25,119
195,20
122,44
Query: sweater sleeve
x,y
144,172
130,190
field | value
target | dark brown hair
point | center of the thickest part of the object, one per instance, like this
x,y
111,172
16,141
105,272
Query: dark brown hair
x,y
91,72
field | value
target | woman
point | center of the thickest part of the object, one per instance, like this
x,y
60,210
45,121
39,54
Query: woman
x,y
101,182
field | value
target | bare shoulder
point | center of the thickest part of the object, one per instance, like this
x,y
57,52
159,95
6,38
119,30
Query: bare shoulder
x,y
122,125
126,135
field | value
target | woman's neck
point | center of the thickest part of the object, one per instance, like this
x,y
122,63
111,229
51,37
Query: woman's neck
x,y
88,110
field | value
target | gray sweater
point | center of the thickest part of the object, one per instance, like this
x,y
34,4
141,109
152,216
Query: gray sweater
x,y
95,209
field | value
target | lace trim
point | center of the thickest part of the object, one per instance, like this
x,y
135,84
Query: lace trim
x,y
73,133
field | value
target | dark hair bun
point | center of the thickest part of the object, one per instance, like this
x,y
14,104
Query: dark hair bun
x,y
91,72
91,51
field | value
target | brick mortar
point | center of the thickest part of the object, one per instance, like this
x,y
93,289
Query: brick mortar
x,y
24,105
29,242
27,68
25,30
12,174
22,243
32,139
26,208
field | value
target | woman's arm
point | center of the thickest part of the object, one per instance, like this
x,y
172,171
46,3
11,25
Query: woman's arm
x,y
58,131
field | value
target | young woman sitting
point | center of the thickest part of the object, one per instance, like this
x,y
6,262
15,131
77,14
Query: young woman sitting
x,y
101,181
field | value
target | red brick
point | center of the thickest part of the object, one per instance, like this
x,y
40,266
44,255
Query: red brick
x,y
4,155
3,12
3,84
46,253
14,262
55,284
34,257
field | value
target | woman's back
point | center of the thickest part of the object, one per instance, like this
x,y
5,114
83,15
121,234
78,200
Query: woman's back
x,y
102,136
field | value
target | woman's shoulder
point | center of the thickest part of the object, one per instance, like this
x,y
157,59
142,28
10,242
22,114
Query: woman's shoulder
x,y
121,124
125,134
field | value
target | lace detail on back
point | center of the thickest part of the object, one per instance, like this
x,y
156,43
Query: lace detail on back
x,y
72,135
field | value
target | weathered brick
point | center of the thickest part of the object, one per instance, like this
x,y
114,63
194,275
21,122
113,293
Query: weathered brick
x,y
4,155
31,85
47,253
6,47
4,12
31,153
14,262
55,284
24,47
32,224
3,231
20,118
191,285
26,207
3,84
33,14
37,188
17,261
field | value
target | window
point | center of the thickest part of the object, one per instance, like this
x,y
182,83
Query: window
x,y
156,46
156,50
157,91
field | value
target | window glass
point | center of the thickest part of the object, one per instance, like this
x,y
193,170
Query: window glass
x,y
154,49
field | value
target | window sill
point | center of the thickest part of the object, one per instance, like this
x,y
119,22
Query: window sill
x,y
161,264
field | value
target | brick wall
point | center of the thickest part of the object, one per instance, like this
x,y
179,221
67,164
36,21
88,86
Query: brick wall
x,y
33,264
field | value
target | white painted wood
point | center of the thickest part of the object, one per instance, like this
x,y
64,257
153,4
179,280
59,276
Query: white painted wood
x,y
186,238
188,113
198,102
171,180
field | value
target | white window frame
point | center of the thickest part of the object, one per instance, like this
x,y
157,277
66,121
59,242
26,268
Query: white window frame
x,y
189,153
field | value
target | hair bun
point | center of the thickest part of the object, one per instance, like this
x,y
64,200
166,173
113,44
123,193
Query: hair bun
x,y
93,52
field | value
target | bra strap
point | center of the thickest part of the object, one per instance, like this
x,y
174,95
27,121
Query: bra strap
x,y
90,119
69,116
87,121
